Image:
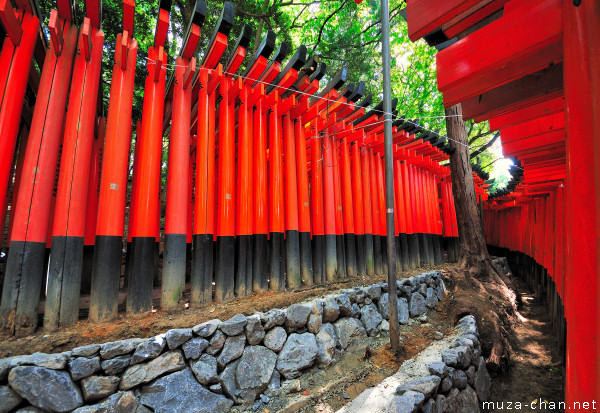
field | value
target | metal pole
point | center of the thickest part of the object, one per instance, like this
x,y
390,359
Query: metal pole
x,y
389,175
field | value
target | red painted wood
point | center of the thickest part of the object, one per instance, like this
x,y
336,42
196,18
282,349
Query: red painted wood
x,y
425,16
538,87
545,108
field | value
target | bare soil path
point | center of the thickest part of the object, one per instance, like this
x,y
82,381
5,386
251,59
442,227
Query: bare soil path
x,y
536,372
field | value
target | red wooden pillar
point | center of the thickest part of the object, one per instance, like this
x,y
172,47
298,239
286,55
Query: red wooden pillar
x,y
244,197
317,209
224,273
411,227
176,214
581,21
292,236
339,215
377,253
204,197
331,267
358,209
348,211
261,208
306,267
64,274
35,195
92,206
367,208
401,216
382,213
17,176
15,63
276,202
147,187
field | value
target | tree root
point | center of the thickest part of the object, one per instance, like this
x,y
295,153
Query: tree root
x,y
490,296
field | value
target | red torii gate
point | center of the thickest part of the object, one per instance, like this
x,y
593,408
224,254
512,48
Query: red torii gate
x,y
532,69
282,175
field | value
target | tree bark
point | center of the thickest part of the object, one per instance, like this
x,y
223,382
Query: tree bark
x,y
470,232
498,309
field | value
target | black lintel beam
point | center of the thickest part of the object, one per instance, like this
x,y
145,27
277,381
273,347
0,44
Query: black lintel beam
x,y
280,54
243,41
224,25
295,63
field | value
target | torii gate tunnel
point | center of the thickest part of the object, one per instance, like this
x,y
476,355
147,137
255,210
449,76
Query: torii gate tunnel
x,y
532,68
274,180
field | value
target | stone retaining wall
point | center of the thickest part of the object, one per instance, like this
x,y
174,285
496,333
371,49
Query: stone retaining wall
x,y
448,376
214,365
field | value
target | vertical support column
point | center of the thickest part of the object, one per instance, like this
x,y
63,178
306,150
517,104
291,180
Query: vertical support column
x,y
176,214
339,214
261,224
277,217
402,218
581,84
91,217
64,274
306,267
15,59
224,274
317,204
147,187
292,236
35,196
245,199
377,253
204,207
329,209
367,208
348,210
359,218
411,228
382,214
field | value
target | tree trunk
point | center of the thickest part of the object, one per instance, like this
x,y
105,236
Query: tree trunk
x,y
474,251
498,309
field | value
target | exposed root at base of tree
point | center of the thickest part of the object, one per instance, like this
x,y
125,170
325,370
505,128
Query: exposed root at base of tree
x,y
491,297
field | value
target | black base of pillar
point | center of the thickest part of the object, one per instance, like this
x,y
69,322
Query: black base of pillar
x,y
202,269
64,282
404,253
141,275
292,259
173,271
377,254
276,264
413,250
340,251
369,254
318,255
306,266
330,257
225,268
384,254
86,272
243,265
361,254
260,263
106,275
22,286
350,247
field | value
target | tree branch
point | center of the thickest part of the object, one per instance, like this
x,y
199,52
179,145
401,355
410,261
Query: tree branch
x,y
487,145
323,26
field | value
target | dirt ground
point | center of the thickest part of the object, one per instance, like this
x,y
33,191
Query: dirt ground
x,y
536,372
